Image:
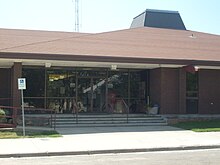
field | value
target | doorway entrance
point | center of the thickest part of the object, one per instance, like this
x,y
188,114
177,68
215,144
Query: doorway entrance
x,y
91,94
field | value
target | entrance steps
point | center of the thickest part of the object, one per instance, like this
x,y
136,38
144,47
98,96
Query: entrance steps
x,y
109,120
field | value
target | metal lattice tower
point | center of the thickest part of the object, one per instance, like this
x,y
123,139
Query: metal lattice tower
x,y
77,15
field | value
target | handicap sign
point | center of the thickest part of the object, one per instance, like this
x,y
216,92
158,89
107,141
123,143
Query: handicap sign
x,y
21,83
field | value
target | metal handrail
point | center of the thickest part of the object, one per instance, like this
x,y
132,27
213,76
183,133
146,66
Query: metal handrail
x,y
127,108
74,106
55,119
13,116
77,110
51,113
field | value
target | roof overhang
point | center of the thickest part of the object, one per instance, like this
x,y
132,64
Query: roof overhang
x,y
7,63
59,60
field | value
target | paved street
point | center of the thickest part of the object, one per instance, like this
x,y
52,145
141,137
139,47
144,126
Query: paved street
x,y
193,157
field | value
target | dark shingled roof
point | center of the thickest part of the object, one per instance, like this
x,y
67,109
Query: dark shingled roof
x,y
159,19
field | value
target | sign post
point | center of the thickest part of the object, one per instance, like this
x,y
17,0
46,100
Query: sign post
x,y
22,86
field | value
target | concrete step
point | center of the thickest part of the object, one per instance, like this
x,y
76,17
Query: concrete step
x,y
108,120
107,116
110,125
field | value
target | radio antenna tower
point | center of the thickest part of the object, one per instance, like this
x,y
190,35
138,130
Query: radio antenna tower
x,y
76,15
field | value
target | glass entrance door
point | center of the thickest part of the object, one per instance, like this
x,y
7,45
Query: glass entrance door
x,y
91,94
84,95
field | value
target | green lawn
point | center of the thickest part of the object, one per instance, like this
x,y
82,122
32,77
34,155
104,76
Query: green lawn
x,y
200,126
17,133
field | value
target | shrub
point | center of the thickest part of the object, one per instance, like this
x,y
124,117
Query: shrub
x,y
2,116
2,112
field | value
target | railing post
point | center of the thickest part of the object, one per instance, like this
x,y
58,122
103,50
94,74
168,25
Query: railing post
x,y
76,98
51,118
55,119
127,113
77,116
14,116
127,108
129,92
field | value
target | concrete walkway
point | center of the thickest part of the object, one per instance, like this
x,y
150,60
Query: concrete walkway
x,y
110,140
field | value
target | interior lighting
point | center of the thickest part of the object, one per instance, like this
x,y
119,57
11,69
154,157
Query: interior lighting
x,y
47,65
113,67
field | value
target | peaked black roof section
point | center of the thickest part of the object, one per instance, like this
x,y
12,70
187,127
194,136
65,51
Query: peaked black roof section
x,y
159,19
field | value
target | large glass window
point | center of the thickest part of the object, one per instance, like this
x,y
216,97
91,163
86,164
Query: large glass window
x,y
118,83
35,81
135,85
5,88
35,87
61,90
118,91
61,83
91,72
91,89
137,91
192,93
192,81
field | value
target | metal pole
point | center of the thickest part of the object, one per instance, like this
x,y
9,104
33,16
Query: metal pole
x,y
55,120
45,88
77,15
91,96
22,101
129,93
77,98
106,92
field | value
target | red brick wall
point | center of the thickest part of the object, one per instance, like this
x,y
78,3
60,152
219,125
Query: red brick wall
x,y
182,91
155,86
209,91
169,91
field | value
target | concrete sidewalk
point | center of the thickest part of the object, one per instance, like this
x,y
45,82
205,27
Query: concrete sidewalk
x,y
99,140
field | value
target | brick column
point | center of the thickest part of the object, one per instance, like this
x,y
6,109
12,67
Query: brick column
x,y
16,73
182,91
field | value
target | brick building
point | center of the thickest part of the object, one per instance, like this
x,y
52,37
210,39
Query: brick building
x,y
156,61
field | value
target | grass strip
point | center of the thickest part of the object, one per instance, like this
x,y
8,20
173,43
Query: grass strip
x,y
17,133
200,126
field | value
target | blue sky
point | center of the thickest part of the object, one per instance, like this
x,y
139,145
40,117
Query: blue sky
x,y
104,15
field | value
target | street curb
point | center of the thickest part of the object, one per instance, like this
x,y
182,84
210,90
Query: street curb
x,y
116,151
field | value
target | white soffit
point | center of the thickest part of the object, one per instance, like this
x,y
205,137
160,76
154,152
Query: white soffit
x,y
7,63
54,63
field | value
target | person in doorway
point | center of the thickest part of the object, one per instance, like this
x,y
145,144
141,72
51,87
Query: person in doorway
x,y
112,101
